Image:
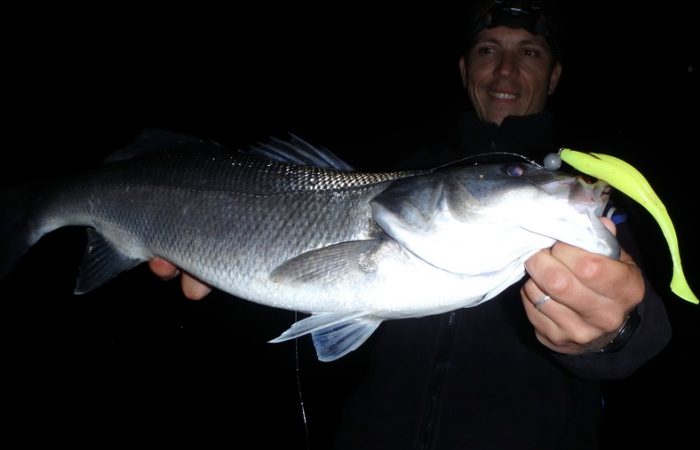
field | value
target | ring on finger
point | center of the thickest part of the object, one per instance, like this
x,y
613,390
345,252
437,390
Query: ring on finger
x,y
541,301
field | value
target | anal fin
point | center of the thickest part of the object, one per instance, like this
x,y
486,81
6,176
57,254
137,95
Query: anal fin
x,y
334,334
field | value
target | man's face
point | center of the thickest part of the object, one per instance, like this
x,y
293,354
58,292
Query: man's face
x,y
509,72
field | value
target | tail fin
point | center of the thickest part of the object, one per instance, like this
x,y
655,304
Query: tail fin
x,y
17,232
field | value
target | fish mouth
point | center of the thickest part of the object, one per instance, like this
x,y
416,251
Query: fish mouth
x,y
585,194
590,194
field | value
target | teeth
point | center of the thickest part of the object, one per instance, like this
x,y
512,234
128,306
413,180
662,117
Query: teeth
x,y
503,96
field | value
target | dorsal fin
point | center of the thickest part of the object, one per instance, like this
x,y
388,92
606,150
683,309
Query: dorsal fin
x,y
152,140
298,151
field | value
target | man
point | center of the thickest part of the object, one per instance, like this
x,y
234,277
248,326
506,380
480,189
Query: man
x,y
522,370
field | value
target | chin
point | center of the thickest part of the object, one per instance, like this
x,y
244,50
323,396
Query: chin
x,y
497,119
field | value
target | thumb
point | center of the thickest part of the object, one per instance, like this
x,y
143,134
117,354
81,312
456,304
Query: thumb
x,y
610,225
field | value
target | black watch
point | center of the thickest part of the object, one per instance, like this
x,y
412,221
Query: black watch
x,y
624,334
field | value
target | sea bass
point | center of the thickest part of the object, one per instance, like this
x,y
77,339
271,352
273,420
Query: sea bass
x,y
296,229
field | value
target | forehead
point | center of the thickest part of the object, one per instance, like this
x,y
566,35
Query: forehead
x,y
511,36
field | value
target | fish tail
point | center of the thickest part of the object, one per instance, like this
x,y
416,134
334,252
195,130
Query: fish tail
x,y
18,230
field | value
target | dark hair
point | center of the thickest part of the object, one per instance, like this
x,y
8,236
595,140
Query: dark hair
x,y
535,16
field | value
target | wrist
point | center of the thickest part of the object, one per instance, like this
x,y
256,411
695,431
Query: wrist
x,y
623,335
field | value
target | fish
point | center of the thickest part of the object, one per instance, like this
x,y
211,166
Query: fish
x,y
290,225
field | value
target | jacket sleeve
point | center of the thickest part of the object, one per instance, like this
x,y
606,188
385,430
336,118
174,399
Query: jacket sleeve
x,y
651,336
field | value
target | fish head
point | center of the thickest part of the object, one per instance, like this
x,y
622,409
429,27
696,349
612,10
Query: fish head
x,y
479,219
552,204
498,184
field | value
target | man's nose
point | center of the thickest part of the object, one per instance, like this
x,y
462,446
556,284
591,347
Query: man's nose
x,y
506,67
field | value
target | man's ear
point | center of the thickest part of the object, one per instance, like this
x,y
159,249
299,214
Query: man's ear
x,y
463,70
553,78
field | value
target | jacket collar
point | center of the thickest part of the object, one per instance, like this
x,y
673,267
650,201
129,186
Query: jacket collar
x,y
529,135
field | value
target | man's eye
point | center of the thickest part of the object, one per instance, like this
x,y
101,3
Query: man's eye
x,y
485,50
532,52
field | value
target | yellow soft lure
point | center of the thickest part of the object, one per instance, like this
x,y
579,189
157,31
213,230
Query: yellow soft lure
x,y
629,181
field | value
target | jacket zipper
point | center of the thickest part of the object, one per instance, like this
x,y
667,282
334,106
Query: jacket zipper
x,y
445,342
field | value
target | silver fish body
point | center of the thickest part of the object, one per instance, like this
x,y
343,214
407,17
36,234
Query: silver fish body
x,y
350,248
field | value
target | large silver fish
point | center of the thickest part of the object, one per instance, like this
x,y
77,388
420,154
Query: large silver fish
x,y
350,248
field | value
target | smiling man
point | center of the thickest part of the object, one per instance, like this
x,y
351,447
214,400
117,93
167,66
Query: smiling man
x,y
509,72
523,370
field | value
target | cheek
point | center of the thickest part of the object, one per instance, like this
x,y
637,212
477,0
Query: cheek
x,y
539,88
471,85
543,77
544,91
479,76
478,72
471,90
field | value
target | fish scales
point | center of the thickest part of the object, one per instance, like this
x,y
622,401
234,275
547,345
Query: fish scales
x,y
247,215
349,248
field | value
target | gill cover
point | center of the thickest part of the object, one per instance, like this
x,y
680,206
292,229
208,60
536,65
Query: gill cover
x,y
631,182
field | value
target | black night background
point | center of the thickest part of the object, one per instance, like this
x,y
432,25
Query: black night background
x,y
134,361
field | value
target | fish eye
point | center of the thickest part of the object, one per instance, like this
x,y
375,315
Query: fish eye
x,y
515,170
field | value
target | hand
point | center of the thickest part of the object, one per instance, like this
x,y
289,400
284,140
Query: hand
x,y
191,287
590,296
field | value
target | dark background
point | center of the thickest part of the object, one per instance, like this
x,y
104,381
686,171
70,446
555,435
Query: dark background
x,y
134,360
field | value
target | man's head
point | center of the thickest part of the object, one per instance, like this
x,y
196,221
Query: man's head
x,y
511,63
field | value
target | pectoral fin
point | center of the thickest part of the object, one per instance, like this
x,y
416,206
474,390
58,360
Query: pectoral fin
x,y
328,264
334,334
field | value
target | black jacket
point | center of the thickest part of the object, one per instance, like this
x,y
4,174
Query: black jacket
x,y
477,378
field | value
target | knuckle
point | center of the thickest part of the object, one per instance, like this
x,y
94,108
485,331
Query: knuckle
x,y
582,336
559,339
579,339
590,267
558,282
533,261
563,343
609,322
636,288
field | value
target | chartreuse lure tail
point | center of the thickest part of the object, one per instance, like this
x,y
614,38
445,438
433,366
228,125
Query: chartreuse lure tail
x,y
629,181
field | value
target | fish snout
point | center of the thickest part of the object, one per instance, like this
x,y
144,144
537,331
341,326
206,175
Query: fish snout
x,y
590,194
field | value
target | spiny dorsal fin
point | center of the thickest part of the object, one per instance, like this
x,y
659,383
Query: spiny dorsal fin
x,y
298,151
153,140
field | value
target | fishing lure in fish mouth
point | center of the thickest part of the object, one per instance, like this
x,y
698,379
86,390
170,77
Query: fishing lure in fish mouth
x,y
628,180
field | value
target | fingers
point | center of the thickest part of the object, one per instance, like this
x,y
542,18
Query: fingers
x,y
610,225
620,280
587,282
192,288
551,276
617,279
163,269
576,299
559,327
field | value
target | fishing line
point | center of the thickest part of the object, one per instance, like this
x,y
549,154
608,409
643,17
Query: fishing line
x,y
490,157
301,397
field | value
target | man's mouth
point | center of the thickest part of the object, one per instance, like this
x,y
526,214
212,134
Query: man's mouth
x,y
502,95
